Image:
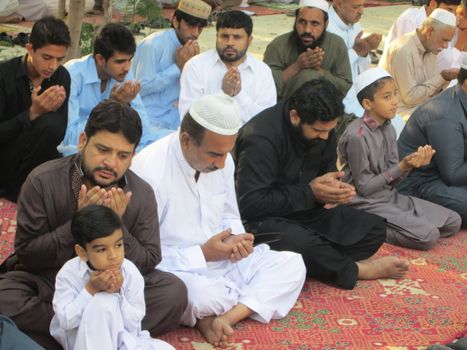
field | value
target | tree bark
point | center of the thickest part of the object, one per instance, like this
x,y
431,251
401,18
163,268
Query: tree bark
x,y
75,19
107,5
61,9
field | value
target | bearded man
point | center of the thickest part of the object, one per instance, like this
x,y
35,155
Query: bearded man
x,y
229,69
53,192
308,52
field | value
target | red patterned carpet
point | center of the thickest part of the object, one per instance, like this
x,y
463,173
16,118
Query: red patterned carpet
x,y
427,307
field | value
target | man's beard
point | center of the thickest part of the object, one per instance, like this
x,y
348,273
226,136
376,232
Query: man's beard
x,y
239,55
89,174
300,135
301,46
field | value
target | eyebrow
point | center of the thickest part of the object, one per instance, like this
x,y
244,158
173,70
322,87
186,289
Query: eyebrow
x,y
103,246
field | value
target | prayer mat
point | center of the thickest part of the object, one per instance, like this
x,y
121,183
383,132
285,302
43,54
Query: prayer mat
x,y
429,306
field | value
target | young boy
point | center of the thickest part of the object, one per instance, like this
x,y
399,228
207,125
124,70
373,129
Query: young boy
x,y
99,295
368,152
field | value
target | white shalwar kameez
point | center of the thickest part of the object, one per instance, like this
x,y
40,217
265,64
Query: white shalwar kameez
x,y
105,320
190,213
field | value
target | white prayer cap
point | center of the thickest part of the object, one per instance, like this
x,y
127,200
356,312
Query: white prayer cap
x,y
321,4
464,60
444,16
368,77
217,113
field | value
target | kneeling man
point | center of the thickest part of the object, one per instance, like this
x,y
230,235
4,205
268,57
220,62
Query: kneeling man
x,y
203,239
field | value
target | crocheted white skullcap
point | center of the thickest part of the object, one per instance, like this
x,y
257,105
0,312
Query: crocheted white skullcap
x,y
217,113
444,16
368,77
321,4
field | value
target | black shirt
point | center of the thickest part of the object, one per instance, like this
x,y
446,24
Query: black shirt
x,y
274,168
15,97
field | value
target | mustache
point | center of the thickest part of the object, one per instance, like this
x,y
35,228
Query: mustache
x,y
308,35
104,168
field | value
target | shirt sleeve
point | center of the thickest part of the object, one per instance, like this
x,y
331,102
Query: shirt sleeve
x,y
191,86
272,59
37,245
72,130
411,92
447,138
357,152
148,71
142,239
259,195
132,304
70,299
10,128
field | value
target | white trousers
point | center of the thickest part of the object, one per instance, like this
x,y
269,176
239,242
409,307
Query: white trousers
x,y
102,327
267,282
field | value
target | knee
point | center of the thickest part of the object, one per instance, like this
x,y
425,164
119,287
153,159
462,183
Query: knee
x,y
427,242
104,304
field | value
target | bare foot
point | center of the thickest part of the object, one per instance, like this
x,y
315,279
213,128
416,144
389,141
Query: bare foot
x,y
11,19
386,267
216,330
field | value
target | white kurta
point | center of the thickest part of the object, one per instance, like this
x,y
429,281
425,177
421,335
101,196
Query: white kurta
x,y
191,212
102,321
358,64
203,74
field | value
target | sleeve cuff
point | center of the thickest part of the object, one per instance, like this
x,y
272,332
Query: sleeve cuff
x,y
393,173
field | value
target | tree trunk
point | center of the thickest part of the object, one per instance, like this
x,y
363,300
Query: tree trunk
x,y
61,9
107,5
75,19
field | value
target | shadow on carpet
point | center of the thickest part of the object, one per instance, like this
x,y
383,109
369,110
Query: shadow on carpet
x,y
429,306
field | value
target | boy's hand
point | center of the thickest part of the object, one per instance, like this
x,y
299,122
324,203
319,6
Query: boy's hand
x,y
417,159
116,281
100,281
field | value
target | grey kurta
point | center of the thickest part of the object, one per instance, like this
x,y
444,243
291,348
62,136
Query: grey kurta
x,y
282,52
368,152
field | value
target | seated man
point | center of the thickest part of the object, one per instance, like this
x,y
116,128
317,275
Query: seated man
x,y
203,239
286,162
160,58
411,61
308,52
413,17
440,122
102,75
229,69
12,11
34,92
53,192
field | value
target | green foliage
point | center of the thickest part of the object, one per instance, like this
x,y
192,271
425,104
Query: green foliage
x,y
85,41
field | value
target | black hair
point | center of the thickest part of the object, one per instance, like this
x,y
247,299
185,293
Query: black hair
x,y
317,100
235,19
326,16
192,128
113,116
462,75
114,37
189,19
92,222
447,2
368,92
49,31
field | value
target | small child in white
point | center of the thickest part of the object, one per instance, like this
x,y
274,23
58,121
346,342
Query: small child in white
x,y
368,151
99,295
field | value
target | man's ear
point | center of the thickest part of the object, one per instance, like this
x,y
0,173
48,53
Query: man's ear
x,y
82,141
81,252
185,140
29,48
294,117
100,60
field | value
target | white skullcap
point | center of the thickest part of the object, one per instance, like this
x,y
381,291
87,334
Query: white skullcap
x,y
444,16
369,76
464,60
217,113
321,4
